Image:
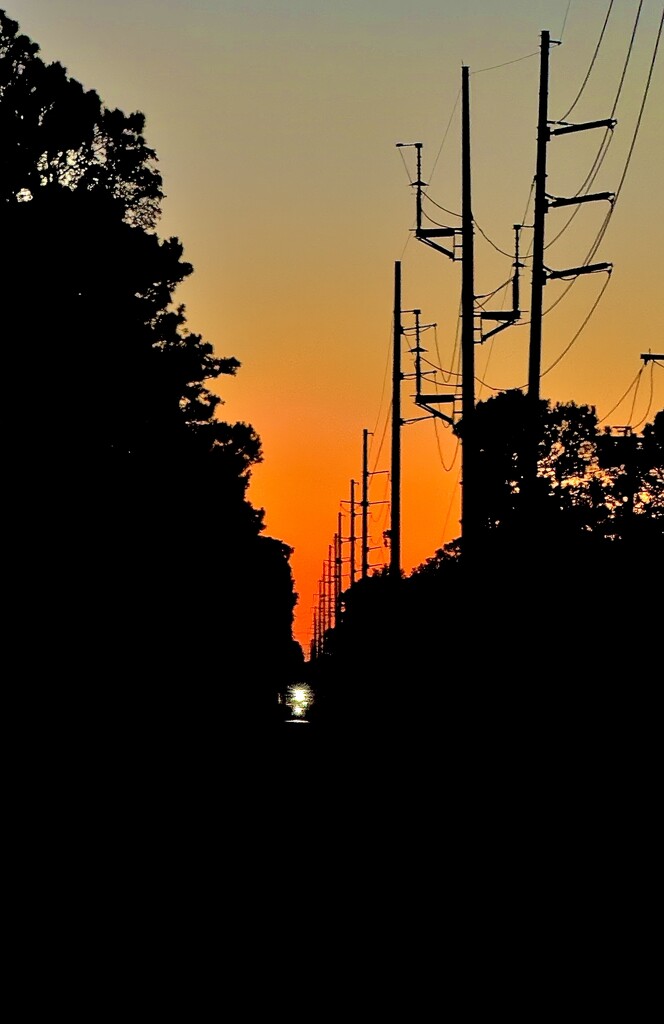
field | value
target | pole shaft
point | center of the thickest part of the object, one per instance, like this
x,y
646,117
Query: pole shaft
x,y
352,532
395,503
468,510
535,355
365,505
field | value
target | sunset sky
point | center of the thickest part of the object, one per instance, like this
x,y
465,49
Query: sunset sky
x,y
275,123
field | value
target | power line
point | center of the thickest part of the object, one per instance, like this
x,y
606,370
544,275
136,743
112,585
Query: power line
x,y
592,62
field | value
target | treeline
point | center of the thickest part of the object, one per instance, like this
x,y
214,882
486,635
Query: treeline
x,y
139,564
554,610
142,566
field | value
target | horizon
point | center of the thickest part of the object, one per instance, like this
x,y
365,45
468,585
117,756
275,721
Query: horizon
x,y
276,134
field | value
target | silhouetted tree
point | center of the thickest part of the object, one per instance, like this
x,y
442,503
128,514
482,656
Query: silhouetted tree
x,y
635,466
577,492
533,626
133,490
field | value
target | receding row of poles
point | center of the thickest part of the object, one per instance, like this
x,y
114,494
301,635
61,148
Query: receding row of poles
x,y
459,247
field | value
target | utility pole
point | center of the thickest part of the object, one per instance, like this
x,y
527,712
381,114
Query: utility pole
x,y
315,647
431,236
395,506
535,353
338,568
537,285
468,442
365,504
543,202
330,588
352,532
323,617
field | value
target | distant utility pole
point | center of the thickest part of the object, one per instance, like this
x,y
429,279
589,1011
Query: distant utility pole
x,y
330,587
432,237
365,504
314,648
338,561
352,532
395,504
320,621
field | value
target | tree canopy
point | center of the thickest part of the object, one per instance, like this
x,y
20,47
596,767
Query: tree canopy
x,y
133,486
554,591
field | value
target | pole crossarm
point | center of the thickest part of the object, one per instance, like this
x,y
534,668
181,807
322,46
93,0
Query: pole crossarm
x,y
429,402
609,122
507,318
417,419
592,268
552,201
426,234
423,399
507,315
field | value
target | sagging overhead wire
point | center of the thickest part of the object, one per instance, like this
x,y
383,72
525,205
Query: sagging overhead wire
x,y
603,149
386,377
636,392
451,212
496,247
489,295
495,67
592,62
436,222
644,418
592,310
634,383
511,256
447,469
634,137
602,231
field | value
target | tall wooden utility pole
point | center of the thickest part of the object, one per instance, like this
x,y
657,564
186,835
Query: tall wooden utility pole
x,y
395,504
352,532
468,443
321,612
543,202
535,353
537,287
330,586
365,504
338,563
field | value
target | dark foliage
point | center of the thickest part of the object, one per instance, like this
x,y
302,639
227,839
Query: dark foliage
x,y
142,558
540,625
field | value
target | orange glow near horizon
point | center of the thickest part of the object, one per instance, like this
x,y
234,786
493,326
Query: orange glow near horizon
x,y
275,127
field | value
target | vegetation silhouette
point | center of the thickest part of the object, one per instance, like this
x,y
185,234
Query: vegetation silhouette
x,y
145,565
539,629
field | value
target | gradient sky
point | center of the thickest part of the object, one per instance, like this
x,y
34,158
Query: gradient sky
x,y
275,123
